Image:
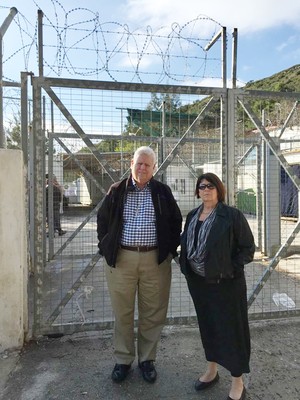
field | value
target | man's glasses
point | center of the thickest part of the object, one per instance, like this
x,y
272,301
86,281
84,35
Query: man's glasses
x,y
203,186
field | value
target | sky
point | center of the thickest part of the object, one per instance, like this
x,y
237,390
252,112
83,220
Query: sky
x,y
268,30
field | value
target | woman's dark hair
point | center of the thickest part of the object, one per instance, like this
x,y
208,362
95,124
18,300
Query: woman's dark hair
x,y
214,180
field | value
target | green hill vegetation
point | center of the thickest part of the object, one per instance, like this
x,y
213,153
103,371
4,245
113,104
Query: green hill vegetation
x,y
148,122
275,110
287,80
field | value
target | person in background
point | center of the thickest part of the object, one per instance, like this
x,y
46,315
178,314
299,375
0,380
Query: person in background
x,y
57,204
215,245
138,225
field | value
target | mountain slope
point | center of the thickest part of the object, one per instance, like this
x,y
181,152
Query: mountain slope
x,y
287,80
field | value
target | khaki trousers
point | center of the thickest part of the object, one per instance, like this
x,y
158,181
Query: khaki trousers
x,y
138,276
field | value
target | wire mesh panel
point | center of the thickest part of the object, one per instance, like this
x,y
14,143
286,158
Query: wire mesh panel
x,y
90,136
268,189
84,134
91,133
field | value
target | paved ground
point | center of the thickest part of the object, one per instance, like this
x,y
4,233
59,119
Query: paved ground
x,y
79,366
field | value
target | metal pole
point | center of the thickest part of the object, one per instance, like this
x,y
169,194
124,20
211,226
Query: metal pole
x,y
37,195
122,160
264,182
3,29
51,232
234,56
24,115
163,134
259,211
40,42
224,57
230,132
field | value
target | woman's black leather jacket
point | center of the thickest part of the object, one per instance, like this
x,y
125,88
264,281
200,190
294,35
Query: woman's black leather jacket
x,y
230,244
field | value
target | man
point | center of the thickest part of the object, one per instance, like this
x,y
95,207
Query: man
x,y
57,200
138,225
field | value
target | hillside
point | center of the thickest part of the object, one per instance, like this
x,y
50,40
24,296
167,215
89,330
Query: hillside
x,y
287,80
284,81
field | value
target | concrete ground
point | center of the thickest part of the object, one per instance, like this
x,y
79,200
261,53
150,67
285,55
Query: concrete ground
x,y
79,367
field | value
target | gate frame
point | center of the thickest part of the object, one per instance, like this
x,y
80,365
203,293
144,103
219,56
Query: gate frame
x,y
229,98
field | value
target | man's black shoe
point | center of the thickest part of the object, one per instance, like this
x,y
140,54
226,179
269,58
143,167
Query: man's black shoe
x,y
120,372
148,371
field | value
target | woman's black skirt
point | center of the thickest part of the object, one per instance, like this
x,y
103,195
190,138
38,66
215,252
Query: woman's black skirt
x,y
223,321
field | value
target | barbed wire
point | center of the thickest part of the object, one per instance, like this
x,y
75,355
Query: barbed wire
x,y
78,44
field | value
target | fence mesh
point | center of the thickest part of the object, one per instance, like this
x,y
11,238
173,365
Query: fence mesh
x,y
89,136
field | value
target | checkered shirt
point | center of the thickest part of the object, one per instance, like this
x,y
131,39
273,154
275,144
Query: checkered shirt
x,y
139,224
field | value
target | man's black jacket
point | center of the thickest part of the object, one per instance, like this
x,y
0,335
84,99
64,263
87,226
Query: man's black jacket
x,y
110,219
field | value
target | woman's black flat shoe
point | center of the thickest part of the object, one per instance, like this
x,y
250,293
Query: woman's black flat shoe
x,y
243,395
205,385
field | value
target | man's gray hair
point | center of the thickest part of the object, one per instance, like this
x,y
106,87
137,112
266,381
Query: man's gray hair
x,y
145,150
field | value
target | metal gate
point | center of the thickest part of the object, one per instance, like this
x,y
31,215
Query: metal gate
x,y
85,132
275,158
88,131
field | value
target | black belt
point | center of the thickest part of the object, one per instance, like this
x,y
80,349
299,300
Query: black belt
x,y
138,248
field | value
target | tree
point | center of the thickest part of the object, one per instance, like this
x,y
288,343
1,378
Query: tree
x,y
13,133
14,137
171,102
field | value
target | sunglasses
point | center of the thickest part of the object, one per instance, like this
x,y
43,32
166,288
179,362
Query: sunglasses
x,y
203,186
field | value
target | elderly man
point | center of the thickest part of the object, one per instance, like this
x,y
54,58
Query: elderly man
x,y
138,225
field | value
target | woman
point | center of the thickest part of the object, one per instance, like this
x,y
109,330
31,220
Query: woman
x,y
216,244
